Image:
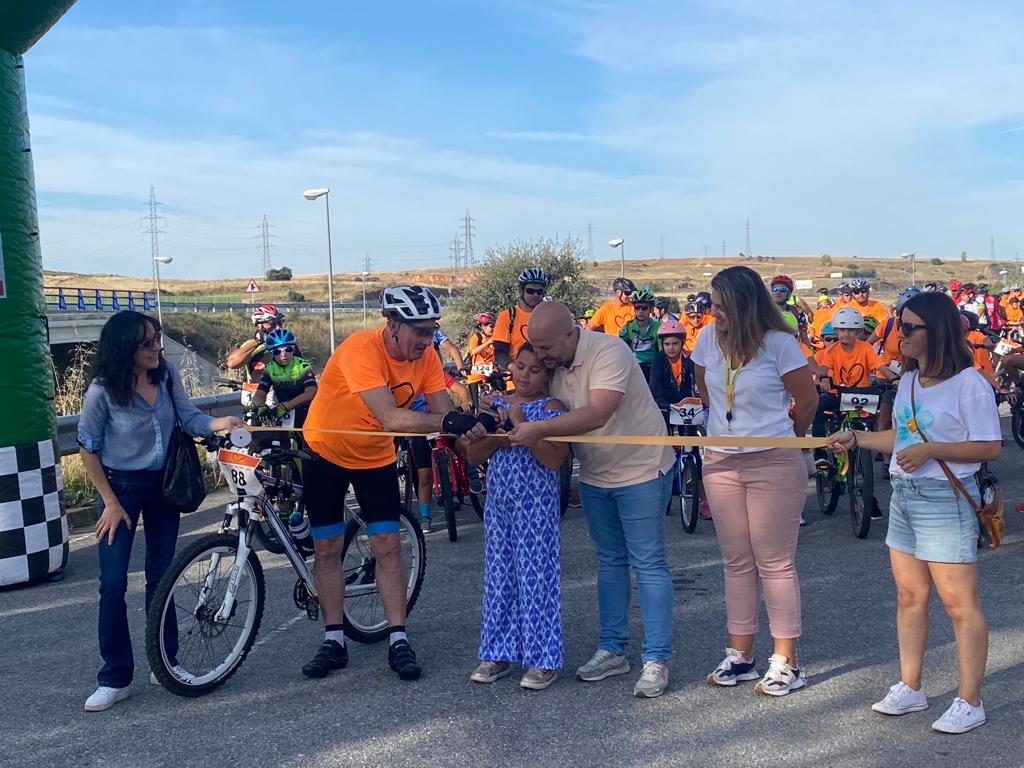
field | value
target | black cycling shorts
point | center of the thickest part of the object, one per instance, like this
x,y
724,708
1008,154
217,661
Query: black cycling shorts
x,y
325,486
420,451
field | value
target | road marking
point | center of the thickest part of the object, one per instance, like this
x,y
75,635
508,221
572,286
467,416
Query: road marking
x,y
279,629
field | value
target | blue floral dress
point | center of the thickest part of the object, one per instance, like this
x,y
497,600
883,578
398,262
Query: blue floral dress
x,y
521,615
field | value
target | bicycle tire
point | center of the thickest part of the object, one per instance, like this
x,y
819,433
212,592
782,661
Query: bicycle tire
x,y
827,489
447,495
860,489
689,494
407,484
1017,420
416,566
158,661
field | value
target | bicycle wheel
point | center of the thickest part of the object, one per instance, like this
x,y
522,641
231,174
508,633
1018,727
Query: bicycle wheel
x,y
182,629
364,611
447,494
406,482
689,495
860,487
827,488
1017,420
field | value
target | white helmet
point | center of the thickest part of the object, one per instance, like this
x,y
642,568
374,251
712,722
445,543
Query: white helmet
x,y
409,303
847,317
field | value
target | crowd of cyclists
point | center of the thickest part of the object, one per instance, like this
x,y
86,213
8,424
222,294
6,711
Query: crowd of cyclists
x,y
392,379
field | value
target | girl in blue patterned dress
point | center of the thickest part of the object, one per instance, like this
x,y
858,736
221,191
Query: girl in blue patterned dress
x,y
521,615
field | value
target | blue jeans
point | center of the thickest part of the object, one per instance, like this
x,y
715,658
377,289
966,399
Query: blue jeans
x,y
627,528
139,493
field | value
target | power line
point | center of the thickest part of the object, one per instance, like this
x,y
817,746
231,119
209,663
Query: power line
x,y
467,239
723,249
154,230
265,234
590,240
456,254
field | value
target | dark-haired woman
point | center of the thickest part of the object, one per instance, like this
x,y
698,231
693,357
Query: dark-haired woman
x,y
749,367
944,411
124,431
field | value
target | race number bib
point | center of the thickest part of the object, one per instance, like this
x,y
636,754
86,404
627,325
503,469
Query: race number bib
x,y
1005,347
858,401
239,469
688,412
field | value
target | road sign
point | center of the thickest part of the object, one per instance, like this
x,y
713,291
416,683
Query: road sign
x,y
835,274
252,287
803,285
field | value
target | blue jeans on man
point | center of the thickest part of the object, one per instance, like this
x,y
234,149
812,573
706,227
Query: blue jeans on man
x,y
139,493
627,528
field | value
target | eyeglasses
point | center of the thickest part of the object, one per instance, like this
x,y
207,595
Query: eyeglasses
x,y
906,329
424,331
157,342
780,289
535,291
283,350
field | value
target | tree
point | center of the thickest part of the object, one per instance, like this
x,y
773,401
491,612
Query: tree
x,y
275,275
494,283
826,260
963,256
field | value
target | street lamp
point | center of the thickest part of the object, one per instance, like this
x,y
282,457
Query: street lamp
x,y
706,275
913,266
621,244
157,261
313,194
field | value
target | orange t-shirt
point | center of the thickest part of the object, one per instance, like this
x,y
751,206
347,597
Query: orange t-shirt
x,y
515,336
360,363
821,316
612,316
891,348
982,357
677,370
849,369
481,358
1014,314
692,332
873,309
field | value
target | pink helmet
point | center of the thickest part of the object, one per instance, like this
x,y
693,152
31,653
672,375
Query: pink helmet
x,y
672,328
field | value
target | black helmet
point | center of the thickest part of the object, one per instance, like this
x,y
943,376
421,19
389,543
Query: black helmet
x,y
532,275
623,284
982,287
931,287
661,302
703,300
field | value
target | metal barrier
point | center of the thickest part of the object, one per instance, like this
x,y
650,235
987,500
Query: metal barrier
x,y
225,404
74,299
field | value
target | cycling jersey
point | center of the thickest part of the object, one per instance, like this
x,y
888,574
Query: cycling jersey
x,y
289,381
849,369
486,357
256,362
510,328
871,308
643,343
612,316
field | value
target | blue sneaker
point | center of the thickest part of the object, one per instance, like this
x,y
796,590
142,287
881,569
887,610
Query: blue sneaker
x,y
733,669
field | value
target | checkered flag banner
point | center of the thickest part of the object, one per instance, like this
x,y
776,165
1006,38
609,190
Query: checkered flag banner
x,y
33,526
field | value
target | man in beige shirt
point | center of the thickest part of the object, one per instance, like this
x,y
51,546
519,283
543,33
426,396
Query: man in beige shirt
x,y
624,489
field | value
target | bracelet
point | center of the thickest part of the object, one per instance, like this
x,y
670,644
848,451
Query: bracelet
x,y
855,443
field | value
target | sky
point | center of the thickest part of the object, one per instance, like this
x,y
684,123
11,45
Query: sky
x,y
849,128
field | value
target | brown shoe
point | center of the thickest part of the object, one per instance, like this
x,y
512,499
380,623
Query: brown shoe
x,y
490,671
538,679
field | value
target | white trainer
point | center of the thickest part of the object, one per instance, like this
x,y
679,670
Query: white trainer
x,y
653,680
603,664
733,669
105,697
900,700
781,677
961,717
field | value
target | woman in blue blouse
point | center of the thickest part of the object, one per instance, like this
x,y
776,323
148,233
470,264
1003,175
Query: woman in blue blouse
x,y
124,430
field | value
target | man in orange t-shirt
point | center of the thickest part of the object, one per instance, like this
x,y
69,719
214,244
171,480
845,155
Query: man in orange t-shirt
x,y
510,325
612,315
367,385
863,302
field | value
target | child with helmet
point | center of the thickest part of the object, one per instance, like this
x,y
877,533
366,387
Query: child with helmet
x,y
641,333
291,377
481,343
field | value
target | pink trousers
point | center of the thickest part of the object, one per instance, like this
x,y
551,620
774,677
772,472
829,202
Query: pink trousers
x,y
756,500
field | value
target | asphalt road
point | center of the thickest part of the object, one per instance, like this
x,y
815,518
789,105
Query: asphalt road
x,y
269,714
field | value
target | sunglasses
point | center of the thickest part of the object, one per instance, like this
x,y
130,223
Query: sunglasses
x,y
780,289
535,291
157,342
858,293
906,329
282,350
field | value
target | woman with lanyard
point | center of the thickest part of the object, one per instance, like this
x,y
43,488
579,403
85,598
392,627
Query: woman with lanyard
x,y
748,367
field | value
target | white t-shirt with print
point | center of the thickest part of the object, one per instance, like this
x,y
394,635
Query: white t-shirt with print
x,y
962,408
761,402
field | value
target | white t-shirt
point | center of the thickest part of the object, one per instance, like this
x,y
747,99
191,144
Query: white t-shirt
x,y
956,410
761,402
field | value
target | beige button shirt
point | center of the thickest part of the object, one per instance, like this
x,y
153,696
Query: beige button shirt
x,y
606,362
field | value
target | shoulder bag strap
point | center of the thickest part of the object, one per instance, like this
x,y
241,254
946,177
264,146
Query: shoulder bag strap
x,y
170,396
954,481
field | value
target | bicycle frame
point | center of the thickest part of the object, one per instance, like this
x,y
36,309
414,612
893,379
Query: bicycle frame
x,y
456,468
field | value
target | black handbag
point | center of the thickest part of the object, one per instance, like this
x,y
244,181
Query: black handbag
x,y
184,487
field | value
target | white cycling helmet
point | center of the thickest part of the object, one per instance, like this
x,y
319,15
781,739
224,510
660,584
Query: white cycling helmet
x,y
847,317
409,303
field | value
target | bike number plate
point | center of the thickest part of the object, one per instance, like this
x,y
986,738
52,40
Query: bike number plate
x,y
688,412
851,401
1005,347
239,470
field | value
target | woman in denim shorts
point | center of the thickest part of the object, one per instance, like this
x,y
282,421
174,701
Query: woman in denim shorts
x,y
933,531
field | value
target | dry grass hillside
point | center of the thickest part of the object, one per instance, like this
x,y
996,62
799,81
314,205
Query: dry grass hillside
x,y
666,276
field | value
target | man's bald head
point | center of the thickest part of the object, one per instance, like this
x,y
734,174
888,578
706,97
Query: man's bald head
x,y
553,334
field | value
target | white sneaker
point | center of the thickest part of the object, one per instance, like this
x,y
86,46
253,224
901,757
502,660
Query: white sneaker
x,y
733,669
653,680
104,698
603,664
961,717
901,699
781,678
178,671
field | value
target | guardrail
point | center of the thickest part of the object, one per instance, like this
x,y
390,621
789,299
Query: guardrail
x,y
224,404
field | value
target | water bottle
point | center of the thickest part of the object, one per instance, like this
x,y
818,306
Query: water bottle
x,y
298,526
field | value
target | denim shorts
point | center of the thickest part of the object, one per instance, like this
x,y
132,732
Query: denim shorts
x,y
927,521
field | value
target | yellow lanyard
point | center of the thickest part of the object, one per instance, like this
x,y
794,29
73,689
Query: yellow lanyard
x,y
731,374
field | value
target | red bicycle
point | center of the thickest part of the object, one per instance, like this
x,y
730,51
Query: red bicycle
x,y
452,482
